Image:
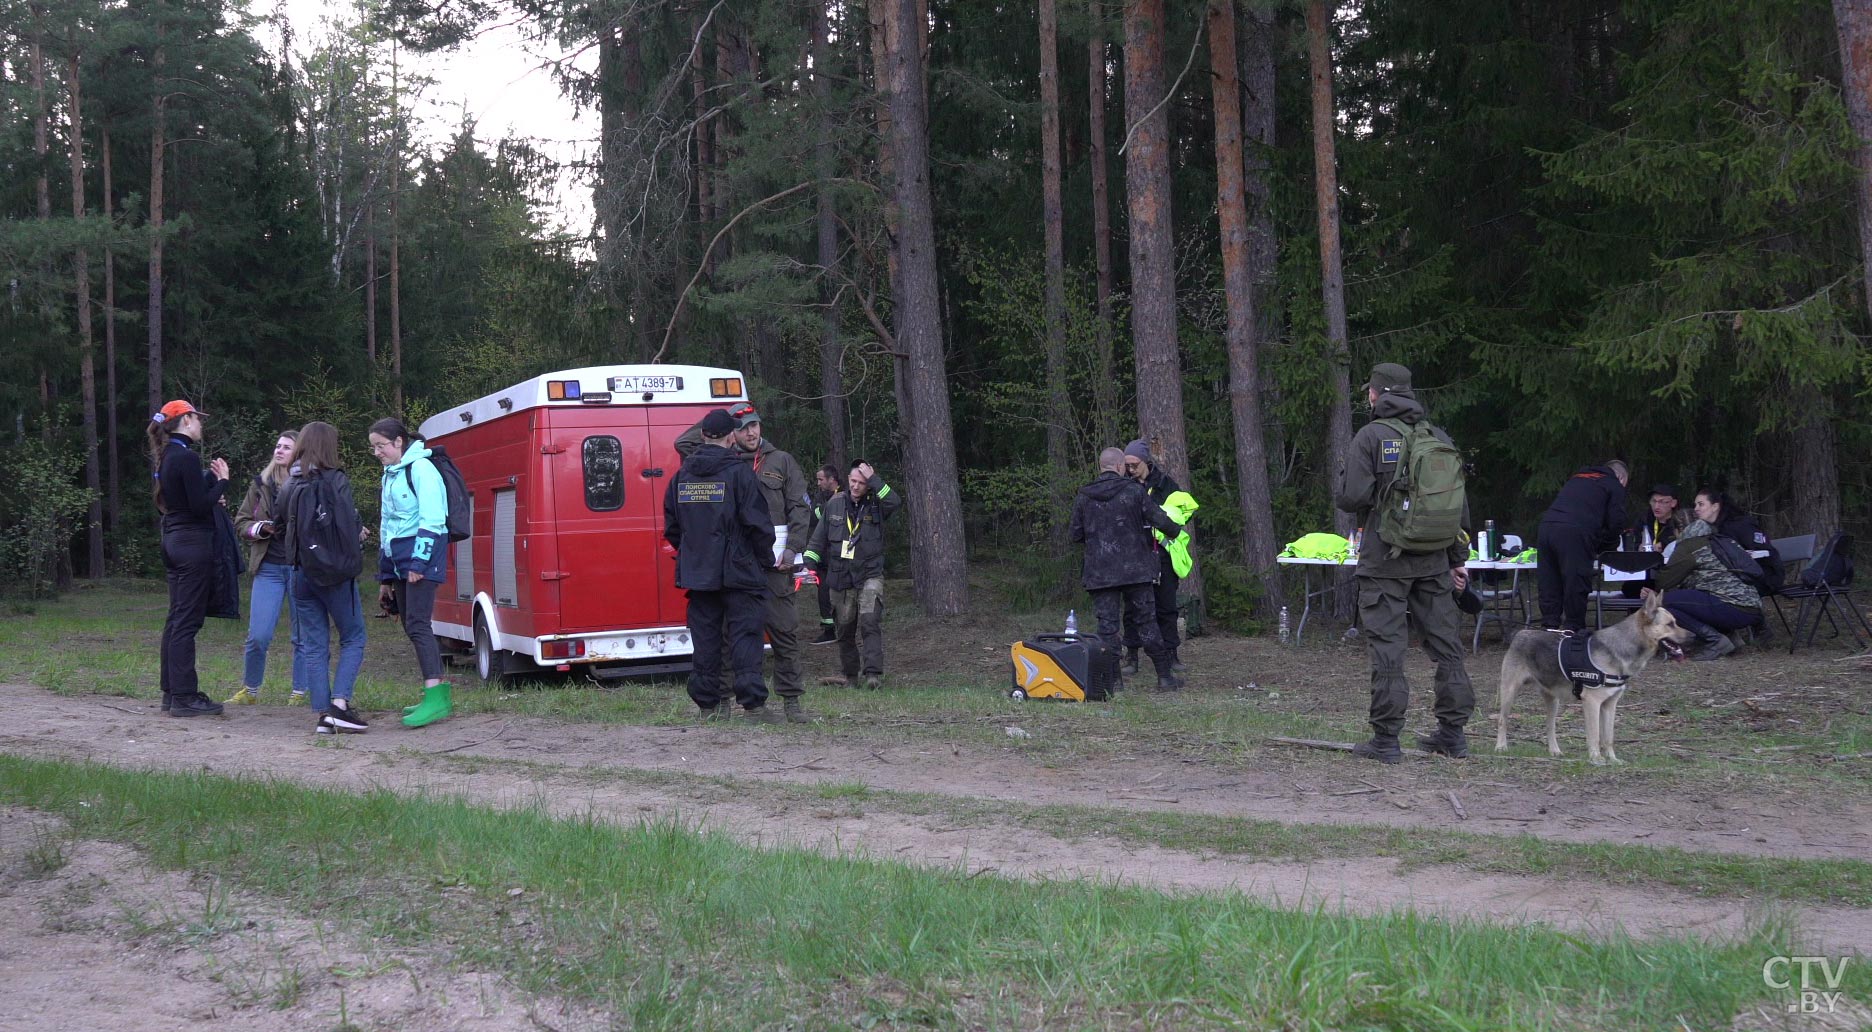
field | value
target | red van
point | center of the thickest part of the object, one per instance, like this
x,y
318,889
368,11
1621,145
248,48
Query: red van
x,y
565,563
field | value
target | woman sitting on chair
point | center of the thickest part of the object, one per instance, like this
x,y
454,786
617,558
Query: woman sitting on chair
x,y
1702,593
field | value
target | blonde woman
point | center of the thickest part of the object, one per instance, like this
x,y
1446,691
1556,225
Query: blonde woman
x,y
272,567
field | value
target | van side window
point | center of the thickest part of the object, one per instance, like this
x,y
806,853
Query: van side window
x,y
604,474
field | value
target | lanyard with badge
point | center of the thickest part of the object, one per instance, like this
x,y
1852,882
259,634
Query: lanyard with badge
x,y
848,548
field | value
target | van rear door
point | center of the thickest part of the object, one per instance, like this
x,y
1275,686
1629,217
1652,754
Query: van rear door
x,y
607,510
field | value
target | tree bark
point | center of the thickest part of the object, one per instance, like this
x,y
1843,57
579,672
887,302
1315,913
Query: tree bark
x,y
1853,19
87,356
1059,402
1258,545
154,323
396,237
1332,277
1256,50
113,502
41,148
1813,469
831,390
930,437
1105,392
1153,255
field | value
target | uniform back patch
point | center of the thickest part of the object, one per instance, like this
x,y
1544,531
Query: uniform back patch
x,y
701,492
1390,450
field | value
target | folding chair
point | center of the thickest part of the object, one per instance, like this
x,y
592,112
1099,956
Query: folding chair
x,y
1503,602
1795,552
1609,593
1823,596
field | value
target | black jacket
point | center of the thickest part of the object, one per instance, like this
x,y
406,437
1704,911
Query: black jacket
x,y
1113,517
717,520
1591,500
862,523
189,492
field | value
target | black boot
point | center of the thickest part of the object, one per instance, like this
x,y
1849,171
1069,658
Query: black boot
x,y
1715,644
1131,664
1449,741
1167,680
196,705
1176,662
1383,748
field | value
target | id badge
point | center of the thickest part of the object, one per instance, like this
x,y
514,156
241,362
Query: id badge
x,y
848,549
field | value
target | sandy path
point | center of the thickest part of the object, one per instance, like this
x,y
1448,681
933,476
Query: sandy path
x,y
274,742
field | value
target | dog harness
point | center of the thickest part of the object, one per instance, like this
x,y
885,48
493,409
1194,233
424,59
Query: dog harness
x,y
1576,663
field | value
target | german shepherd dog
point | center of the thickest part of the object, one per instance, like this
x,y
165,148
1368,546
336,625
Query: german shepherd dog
x,y
1621,650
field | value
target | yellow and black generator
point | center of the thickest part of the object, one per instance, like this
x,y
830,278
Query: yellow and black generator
x,y
1063,666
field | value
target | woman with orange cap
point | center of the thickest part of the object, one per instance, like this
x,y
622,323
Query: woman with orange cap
x,y
186,494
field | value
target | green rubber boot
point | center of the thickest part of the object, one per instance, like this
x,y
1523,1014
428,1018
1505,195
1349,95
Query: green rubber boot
x,y
436,705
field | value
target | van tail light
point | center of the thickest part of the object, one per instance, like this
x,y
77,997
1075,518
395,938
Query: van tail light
x,y
570,649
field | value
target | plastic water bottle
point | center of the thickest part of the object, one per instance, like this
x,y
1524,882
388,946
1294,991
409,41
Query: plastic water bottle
x,y
1072,622
1284,632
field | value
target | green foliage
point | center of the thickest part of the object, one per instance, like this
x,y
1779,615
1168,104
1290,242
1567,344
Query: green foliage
x,y
40,502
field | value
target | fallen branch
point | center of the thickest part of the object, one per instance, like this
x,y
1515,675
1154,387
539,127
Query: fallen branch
x,y
1843,757
811,764
1314,743
470,745
1356,791
1456,804
1149,798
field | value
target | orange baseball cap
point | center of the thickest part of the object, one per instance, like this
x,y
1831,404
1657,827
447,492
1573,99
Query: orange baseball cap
x,y
176,410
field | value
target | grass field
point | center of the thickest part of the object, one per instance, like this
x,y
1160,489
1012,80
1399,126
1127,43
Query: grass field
x,y
669,926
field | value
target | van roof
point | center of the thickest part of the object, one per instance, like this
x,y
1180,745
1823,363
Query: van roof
x,y
627,385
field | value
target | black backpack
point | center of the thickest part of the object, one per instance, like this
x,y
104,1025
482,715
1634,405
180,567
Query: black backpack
x,y
1832,567
1736,560
455,487
325,532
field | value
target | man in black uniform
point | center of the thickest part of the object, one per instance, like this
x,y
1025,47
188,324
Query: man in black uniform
x,y
1113,516
1396,587
1584,520
1139,467
827,483
715,518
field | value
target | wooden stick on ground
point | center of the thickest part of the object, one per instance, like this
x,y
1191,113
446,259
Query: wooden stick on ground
x,y
1456,804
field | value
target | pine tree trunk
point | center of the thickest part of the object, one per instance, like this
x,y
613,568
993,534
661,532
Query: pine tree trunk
x,y
1059,402
1332,278
1256,49
930,437
1105,392
1258,545
831,390
87,347
1153,254
41,148
113,499
396,238
154,323
704,137
1813,468
1853,19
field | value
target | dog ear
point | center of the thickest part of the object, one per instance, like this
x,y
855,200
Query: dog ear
x,y
1652,600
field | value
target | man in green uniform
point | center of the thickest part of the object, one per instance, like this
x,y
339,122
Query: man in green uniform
x,y
783,486
1395,585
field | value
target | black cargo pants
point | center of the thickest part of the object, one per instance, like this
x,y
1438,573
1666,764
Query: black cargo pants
x,y
727,622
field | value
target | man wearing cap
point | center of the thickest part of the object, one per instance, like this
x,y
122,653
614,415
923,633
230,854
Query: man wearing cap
x,y
715,518
1139,466
1394,585
783,487
848,549
1663,523
1585,519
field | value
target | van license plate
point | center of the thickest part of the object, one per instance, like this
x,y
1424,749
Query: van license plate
x,y
646,384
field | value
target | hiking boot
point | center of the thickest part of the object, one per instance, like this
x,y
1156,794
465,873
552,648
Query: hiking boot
x,y
344,719
437,704
197,705
826,635
721,711
1176,662
1715,644
762,715
873,683
795,712
1168,683
1448,741
1131,663
243,697
168,701
1383,748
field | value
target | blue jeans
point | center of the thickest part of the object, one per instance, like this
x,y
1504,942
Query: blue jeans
x,y
318,609
272,582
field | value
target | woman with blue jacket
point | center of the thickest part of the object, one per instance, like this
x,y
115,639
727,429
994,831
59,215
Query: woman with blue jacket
x,y
413,557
